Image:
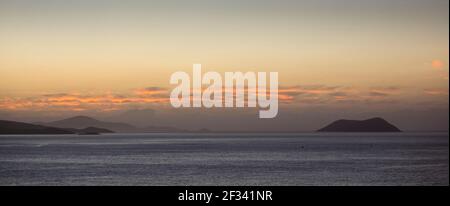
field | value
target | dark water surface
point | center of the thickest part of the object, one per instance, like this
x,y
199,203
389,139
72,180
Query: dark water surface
x,y
225,159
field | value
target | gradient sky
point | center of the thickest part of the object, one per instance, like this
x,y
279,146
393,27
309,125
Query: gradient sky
x,y
368,58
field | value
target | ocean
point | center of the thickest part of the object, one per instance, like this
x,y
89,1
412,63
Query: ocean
x,y
226,159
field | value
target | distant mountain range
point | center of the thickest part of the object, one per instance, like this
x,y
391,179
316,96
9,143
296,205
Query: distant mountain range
x,y
370,125
85,121
12,127
88,125
79,125
79,122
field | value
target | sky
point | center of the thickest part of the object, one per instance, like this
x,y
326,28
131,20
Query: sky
x,y
350,59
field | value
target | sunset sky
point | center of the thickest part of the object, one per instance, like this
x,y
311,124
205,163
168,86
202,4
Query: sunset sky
x,y
336,59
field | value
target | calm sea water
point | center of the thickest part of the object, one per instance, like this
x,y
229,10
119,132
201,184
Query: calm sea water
x,y
226,159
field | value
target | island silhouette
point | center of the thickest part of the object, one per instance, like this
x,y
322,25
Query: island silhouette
x,y
376,124
12,127
85,121
79,122
88,125
83,125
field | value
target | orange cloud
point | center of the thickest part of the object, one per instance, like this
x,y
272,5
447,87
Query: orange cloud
x,y
150,91
437,64
300,94
436,92
77,102
440,67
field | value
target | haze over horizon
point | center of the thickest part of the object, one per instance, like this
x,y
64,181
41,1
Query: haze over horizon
x,y
112,60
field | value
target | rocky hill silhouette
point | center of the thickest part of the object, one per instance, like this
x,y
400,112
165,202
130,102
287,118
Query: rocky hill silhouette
x,y
370,125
